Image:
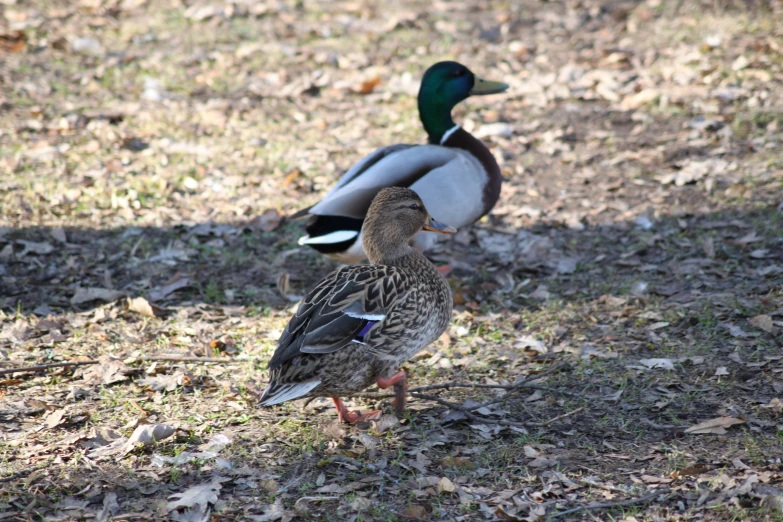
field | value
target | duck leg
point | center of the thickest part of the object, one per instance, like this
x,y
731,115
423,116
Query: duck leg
x,y
400,382
445,270
353,416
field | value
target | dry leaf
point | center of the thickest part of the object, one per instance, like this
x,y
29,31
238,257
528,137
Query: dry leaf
x,y
195,501
663,364
444,341
362,504
100,437
368,441
13,42
110,507
369,86
268,221
775,405
32,247
334,429
162,382
55,418
59,235
696,469
567,265
420,463
289,178
170,287
145,308
502,514
415,512
108,371
385,423
273,512
148,434
530,345
85,295
643,97
542,463
774,502
717,426
737,463
763,322
446,486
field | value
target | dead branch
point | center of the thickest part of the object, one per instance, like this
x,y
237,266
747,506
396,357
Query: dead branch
x,y
187,358
515,386
468,411
563,416
510,390
181,358
27,369
609,505
341,459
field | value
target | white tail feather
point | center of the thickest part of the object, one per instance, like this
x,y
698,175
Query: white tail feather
x,y
287,392
333,237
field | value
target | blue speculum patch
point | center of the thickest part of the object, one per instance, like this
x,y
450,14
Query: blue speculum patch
x,y
365,330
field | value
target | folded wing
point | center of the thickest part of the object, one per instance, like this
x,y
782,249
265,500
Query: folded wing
x,y
339,310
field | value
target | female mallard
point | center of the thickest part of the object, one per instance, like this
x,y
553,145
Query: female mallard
x,y
456,175
361,322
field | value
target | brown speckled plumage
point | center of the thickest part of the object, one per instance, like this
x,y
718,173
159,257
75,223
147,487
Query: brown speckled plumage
x,y
319,353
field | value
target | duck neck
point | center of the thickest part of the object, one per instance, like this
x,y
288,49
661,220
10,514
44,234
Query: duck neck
x,y
436,118
385,251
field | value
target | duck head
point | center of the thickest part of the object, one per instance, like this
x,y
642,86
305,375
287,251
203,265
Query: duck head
x,y
443,86
395,216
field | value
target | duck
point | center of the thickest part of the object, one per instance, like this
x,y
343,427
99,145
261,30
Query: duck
x,y
455,174
360,323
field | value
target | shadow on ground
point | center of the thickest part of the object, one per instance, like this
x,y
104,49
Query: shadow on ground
x,y
699,294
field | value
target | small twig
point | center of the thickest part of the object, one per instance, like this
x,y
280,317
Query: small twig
x,y
183,358
467,411
514,386
340,459
609,505
563,416
657,426
187,358
553,390
26,369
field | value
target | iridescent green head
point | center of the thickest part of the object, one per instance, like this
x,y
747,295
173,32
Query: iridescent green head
x,y
444,85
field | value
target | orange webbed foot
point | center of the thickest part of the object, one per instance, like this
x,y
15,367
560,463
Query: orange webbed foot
x,y
354,416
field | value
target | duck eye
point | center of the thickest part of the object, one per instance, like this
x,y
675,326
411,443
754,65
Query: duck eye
x,y
458,73
414,206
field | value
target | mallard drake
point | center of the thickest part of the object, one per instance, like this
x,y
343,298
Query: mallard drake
x,y
456,175
361,322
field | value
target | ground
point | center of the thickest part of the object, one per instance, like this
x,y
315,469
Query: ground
x,y
151,152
